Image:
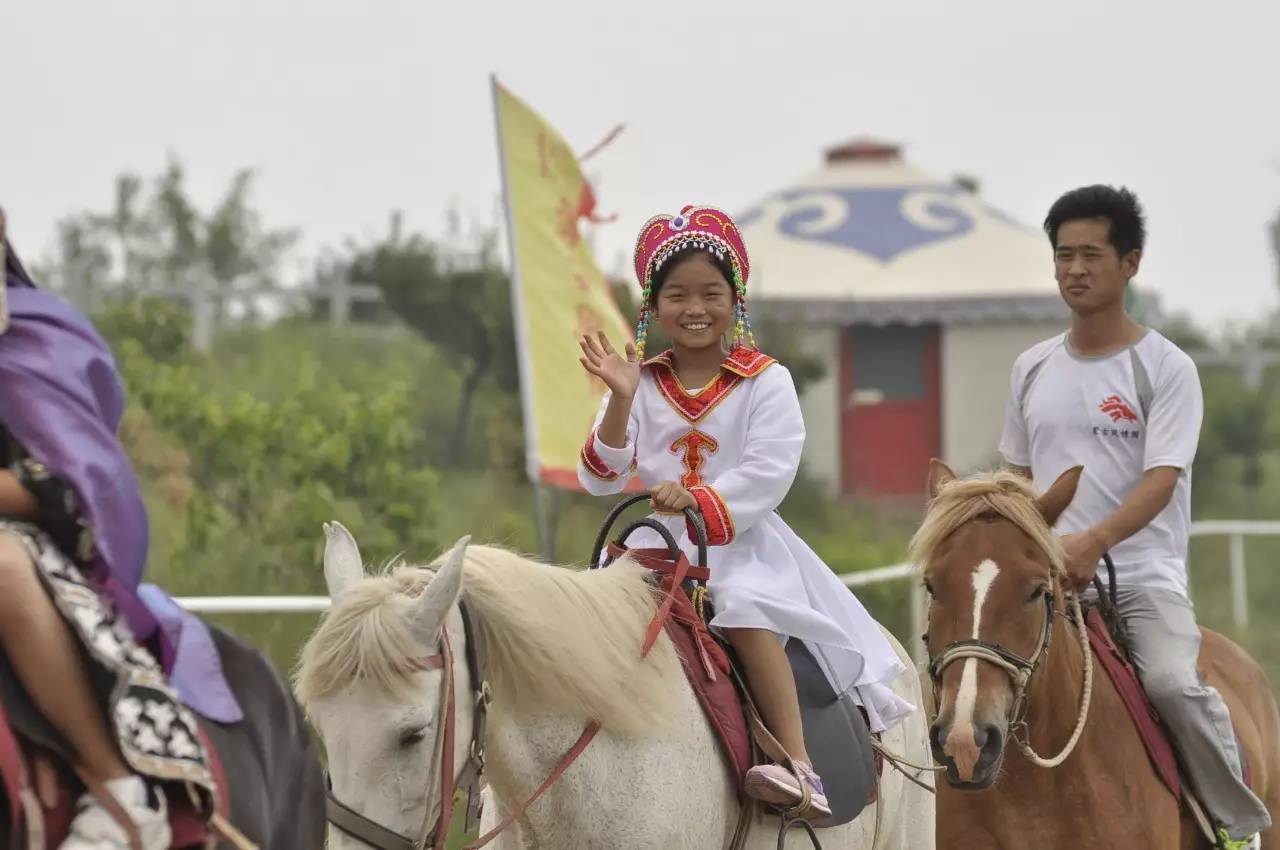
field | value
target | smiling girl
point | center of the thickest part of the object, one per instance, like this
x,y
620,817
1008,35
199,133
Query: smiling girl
x,y
717,427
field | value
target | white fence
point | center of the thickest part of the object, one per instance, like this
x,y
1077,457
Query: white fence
x,y
1235,530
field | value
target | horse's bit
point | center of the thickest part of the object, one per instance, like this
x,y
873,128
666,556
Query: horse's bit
x,y
1018,668
471,779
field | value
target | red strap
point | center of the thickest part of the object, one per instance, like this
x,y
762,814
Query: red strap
x,y
428,662
659,561
569,758
446,757
664,611
682,569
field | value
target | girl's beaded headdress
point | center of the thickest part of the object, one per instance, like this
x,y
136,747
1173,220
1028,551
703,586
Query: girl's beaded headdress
x,y
703,228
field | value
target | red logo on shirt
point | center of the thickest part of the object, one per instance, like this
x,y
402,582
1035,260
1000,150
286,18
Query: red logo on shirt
x,y
1117,409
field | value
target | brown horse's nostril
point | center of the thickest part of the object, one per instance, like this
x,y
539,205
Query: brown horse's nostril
x,y
989,739
981,735
938,735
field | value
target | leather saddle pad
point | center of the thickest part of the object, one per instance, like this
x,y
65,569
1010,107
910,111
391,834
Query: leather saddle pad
x,y
1145,719
1155,737
837,738
835,729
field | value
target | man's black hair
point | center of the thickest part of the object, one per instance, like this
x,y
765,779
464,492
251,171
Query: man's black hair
x,y
1127,229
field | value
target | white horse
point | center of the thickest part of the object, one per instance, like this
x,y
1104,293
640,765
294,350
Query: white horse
x,y
563,647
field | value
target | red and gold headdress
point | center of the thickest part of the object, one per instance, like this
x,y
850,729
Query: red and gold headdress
x,y
703,228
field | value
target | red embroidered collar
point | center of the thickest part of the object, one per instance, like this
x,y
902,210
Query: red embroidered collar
x,y
739,364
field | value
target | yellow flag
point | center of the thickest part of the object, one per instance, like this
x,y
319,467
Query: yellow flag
x,y
558,292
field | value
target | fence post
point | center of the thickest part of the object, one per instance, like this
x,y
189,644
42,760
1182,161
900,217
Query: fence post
x,y
918,603
1239,582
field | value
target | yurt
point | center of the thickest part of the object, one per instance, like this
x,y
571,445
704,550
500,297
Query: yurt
x,y
917,295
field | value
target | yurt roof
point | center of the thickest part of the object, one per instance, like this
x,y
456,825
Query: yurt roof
x,y
872,238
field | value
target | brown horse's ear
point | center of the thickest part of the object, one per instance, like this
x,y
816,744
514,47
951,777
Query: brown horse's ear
x,y
939,474
1055,500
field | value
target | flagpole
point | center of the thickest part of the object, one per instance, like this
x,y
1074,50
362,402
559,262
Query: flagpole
x,y
524,363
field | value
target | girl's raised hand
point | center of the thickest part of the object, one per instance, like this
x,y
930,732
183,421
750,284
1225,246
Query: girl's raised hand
x,y
620,372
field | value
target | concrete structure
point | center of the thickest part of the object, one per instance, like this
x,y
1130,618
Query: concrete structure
x,y
917,295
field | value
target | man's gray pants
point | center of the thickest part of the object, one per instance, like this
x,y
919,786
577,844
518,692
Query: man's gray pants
x,y
1164,642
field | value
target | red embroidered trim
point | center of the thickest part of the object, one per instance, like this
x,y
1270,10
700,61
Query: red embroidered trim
x,y
595,464
720,530
693,407
693,449
663,359
747,362
740,363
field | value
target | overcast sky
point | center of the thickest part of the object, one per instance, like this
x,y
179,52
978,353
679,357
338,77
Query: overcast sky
x,y
350,109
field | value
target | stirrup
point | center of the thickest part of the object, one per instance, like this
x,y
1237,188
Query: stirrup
x,y
1226,842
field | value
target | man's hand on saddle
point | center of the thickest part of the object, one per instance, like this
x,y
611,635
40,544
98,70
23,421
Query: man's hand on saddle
x,y
670,497
1084,553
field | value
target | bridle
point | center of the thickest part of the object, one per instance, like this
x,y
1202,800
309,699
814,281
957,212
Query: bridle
x,y
471,778
1018,668
1020,671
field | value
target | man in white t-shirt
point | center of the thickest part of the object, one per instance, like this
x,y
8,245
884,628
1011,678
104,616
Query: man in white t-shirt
x,y
1125,403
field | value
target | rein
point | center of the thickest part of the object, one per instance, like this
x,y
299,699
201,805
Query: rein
x,y
1020,670
378,836
1022,735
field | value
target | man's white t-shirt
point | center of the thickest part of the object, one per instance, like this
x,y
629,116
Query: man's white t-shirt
x,y
1117,416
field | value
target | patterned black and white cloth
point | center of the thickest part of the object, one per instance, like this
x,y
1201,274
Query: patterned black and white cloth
x,y
156,733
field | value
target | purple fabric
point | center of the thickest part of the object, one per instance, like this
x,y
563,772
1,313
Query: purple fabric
x,y
61,398
197,668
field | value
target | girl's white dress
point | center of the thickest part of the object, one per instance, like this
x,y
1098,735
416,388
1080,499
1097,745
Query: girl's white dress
x,y
735,444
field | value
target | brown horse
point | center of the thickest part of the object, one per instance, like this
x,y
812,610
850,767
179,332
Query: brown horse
x,y
993,569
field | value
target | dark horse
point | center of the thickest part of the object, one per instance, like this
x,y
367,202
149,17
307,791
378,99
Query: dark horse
x,y
266,768
269,760
269,781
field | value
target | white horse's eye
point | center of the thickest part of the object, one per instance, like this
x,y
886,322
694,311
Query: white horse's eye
x,y
413,737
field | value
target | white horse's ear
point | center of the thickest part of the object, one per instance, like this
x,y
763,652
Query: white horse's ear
x,y
431,608
342,564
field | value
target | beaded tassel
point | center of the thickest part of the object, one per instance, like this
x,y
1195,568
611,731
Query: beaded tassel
x,y
642,328
742,334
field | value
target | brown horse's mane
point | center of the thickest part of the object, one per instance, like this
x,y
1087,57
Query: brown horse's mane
x,y
984,497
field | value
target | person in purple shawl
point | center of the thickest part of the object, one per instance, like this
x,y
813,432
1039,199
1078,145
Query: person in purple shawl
x,y
73,544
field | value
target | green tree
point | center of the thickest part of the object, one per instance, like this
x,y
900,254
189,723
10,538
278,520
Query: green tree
x,y
264,469
460,303
154,237
160,328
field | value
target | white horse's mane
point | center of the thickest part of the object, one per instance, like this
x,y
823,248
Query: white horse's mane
x,y
561,640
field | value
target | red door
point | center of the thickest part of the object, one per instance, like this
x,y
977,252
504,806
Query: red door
x,y
892,419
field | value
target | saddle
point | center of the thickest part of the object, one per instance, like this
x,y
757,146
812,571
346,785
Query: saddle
x,y
1155,737
26,736
836,731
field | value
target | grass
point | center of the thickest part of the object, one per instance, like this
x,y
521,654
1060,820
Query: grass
x,y
1211,593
